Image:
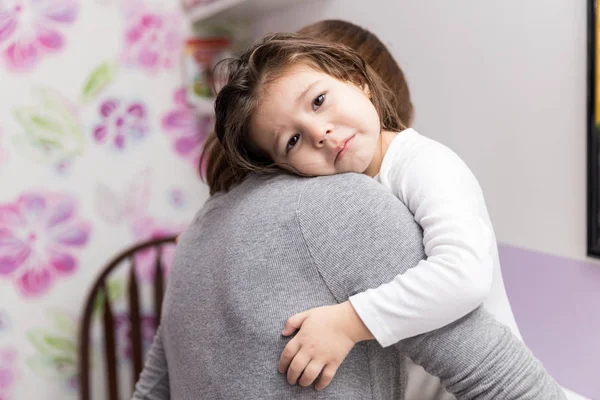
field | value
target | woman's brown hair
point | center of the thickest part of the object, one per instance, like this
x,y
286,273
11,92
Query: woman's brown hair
x,y
230,154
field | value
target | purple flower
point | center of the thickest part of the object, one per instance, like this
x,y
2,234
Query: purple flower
x,y
121,122
28,30
40,235
186,129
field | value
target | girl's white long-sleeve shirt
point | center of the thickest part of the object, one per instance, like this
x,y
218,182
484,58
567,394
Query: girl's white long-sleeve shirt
x,y
462,265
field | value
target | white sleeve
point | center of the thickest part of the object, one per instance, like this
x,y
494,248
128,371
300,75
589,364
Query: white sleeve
x,y
446,200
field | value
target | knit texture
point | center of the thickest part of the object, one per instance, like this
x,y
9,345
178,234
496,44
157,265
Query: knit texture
x,y
271,248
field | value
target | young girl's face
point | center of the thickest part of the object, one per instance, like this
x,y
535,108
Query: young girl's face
x,y
314,124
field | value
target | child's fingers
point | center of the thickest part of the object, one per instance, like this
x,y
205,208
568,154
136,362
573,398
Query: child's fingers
x,y
294,323
288,354
311,372
296,368
326,377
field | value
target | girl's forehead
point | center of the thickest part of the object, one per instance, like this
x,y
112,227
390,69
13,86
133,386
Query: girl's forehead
x,y
291,86
296,74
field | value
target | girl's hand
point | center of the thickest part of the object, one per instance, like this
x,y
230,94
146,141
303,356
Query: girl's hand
x,y
326,336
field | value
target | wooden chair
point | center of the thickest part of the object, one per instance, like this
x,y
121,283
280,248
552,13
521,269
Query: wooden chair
x,y
108,320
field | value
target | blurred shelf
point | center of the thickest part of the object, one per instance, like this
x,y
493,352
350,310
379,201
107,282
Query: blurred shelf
x,y
235,9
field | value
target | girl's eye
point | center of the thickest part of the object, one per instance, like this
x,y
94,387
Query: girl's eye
x,y
318,101
292,142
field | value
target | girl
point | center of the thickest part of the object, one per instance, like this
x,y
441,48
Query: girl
x,y
419,384
315,108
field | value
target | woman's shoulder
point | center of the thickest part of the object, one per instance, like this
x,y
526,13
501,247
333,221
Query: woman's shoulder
x,y
348,195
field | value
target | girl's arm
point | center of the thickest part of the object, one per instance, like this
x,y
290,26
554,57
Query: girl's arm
x,y
344,229
454,279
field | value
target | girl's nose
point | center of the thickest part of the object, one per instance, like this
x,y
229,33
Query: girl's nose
x,y
318,134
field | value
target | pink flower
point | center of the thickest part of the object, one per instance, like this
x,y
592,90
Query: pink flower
x,y
7,372
39,234
152,40
30,29
187,130
121,122
146,228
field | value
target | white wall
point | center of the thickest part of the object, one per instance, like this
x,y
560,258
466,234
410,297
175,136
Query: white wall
x,y
503,83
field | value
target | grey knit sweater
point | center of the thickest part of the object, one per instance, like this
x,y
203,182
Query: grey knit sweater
x,y
271,248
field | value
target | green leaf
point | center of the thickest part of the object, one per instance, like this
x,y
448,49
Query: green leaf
x,y
27,146
42,365
47,124
51,129
47,137
98,306
51,345
60,344
64,323
57,105
36,337
99,78
64,364
38,123
47,151
116,290
49,367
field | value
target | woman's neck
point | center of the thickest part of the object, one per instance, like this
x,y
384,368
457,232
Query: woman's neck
x,y
383,143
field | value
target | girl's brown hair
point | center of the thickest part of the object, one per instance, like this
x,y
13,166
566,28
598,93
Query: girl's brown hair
x,y
230,154
374,52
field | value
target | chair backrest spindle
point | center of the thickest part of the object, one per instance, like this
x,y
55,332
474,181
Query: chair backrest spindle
x,y
110,346
135,323
158,285
108,320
